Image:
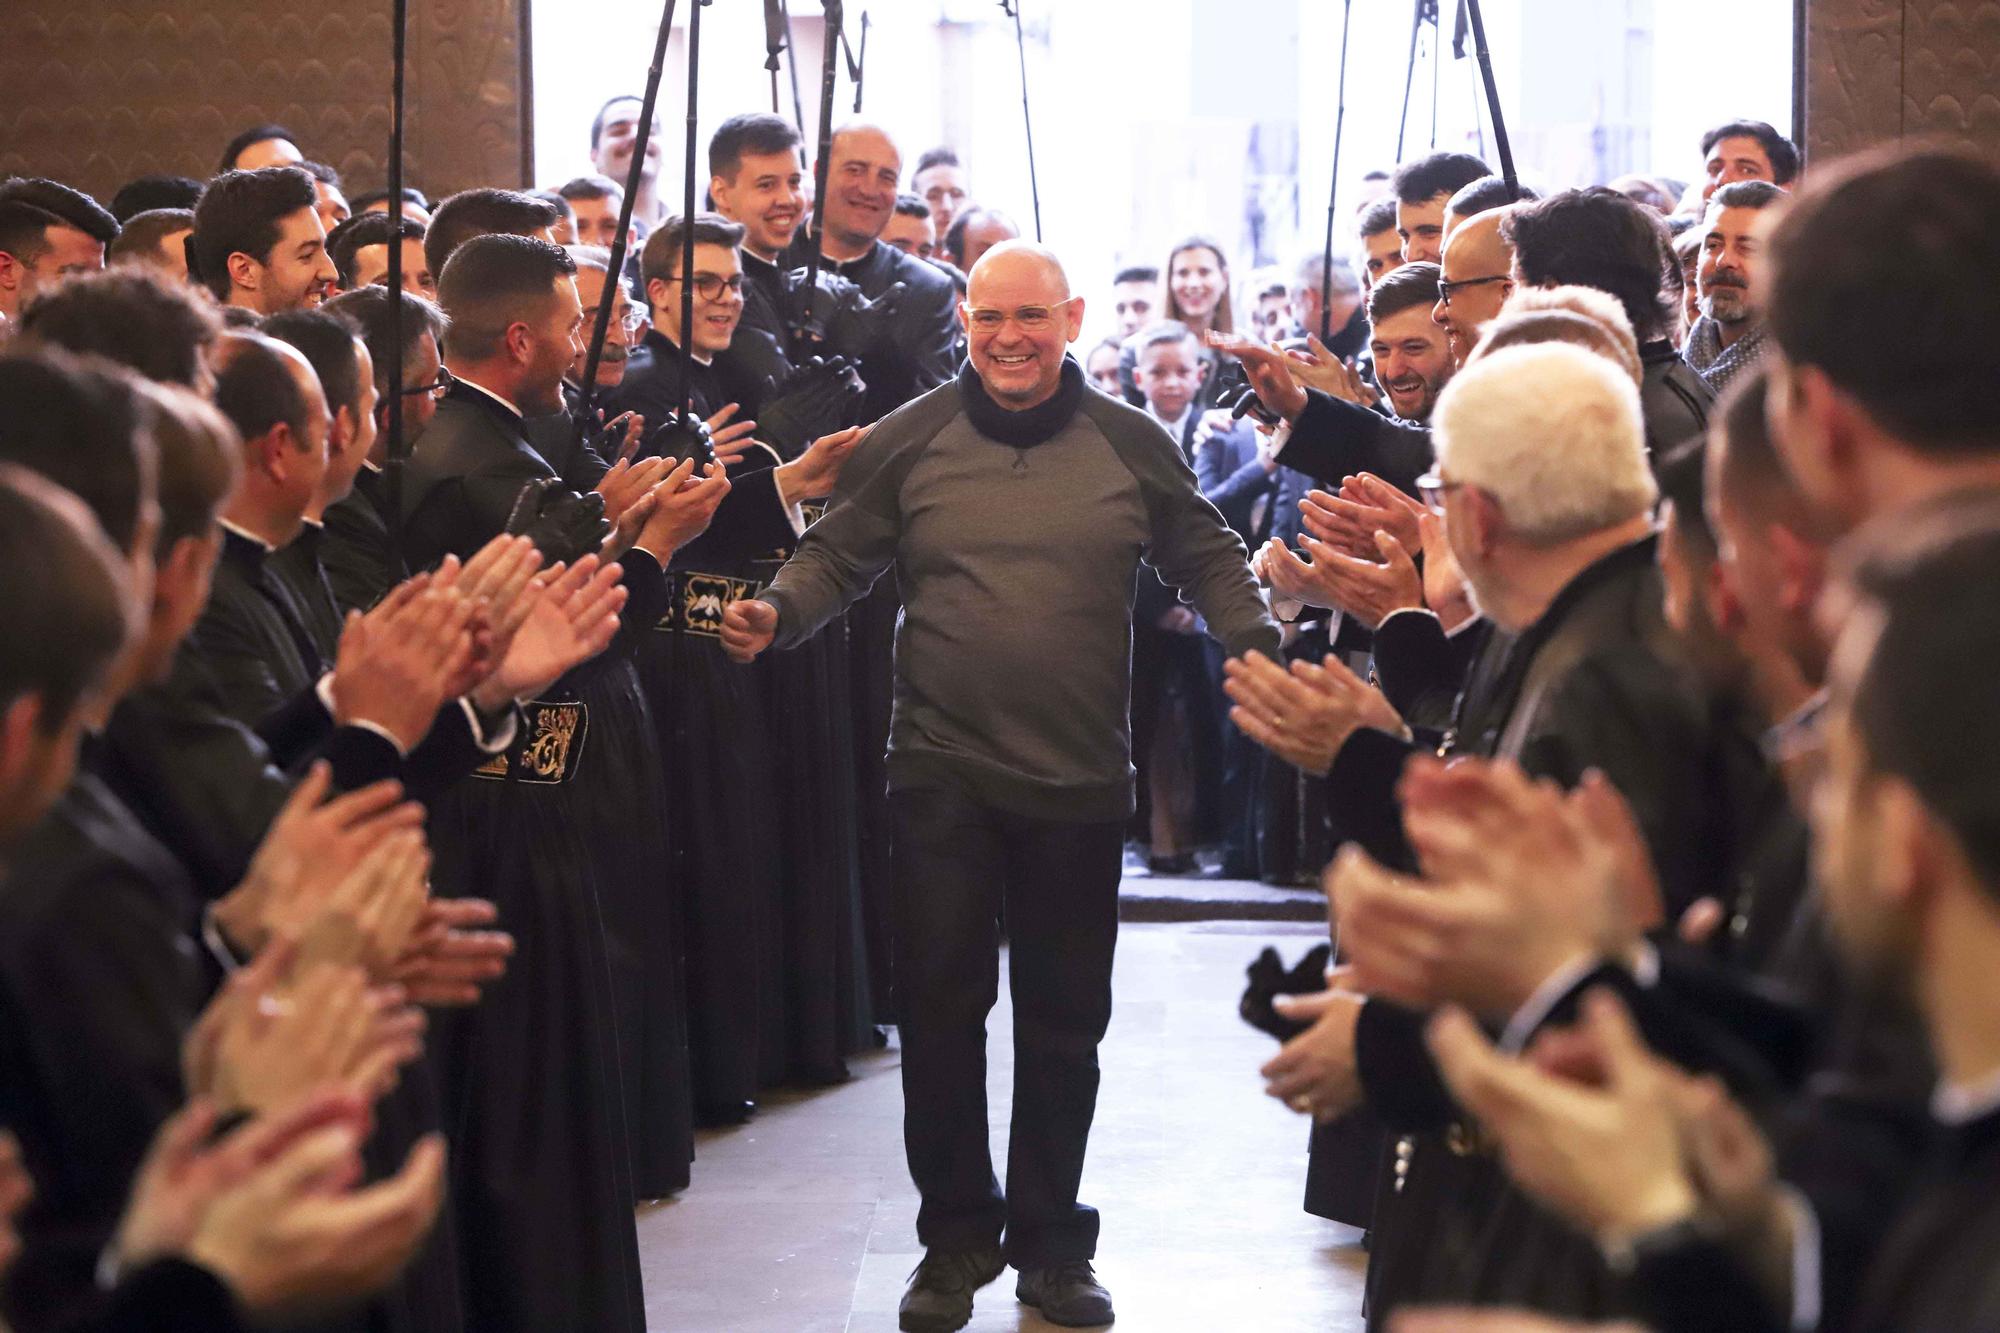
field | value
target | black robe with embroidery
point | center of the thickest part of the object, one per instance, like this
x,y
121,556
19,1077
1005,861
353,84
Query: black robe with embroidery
x,y
766,914
556,1135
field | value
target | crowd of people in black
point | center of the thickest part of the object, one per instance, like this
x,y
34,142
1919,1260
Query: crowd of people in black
x,y
403,857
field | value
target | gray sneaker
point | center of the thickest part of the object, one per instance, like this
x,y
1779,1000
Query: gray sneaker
x,y
1068,1295
939,1297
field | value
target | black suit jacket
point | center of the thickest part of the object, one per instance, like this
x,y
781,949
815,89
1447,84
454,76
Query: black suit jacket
x,y
99,978
464,476
358,550
924,333
1333,439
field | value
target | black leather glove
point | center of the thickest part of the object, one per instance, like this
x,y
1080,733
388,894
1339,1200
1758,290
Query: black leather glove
x,y
839,319
678,439
1269,979
814,400
563,525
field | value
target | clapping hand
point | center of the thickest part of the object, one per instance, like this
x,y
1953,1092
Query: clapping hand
x,y
1368,590
275,1033
16,1188
273,1209
1608,1157
571,616
685,504
311,846
1304,715
399,662
451,957
629,499
1365,506
728,437
371,915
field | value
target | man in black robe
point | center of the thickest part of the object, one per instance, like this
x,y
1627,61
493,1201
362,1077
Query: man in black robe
x,y
923,350
543,1176
358,550
745,917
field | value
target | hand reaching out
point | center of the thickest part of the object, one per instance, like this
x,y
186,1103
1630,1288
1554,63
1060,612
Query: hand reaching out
x,y
814,473
1269,372
748,627
1318,368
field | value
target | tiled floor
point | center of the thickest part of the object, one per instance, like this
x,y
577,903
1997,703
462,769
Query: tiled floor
x,y
804,1220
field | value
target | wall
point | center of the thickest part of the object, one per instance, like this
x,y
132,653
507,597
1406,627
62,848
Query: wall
x,y
94,92
1880,69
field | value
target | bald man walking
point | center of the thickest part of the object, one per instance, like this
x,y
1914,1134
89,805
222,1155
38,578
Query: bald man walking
x,y
1015,504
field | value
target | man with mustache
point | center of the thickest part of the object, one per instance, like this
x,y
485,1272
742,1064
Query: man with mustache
x,y
1729,336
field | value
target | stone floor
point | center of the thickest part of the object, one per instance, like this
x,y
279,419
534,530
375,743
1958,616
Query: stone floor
x,y
804,1220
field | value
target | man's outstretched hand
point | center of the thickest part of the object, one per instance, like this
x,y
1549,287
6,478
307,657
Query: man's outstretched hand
x,y
747,629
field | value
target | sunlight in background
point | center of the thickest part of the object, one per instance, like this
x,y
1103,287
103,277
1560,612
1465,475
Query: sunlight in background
x,y
1159,118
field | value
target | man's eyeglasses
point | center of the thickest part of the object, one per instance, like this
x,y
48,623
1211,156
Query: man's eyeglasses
x,y
1432,488
631,321
437,388
710,286
1445,289
1031,318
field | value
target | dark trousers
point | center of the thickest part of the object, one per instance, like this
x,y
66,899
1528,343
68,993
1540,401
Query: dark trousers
x,y
956,862
1164,666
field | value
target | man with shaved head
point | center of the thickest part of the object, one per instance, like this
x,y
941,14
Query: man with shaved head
x,y
1475,281
1014,506
862,168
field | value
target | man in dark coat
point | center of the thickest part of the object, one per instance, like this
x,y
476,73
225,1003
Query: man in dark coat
x,y
570,848
1581,672
759,938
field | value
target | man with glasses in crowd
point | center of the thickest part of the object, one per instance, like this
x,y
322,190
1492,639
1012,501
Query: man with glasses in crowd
x,y
1014,506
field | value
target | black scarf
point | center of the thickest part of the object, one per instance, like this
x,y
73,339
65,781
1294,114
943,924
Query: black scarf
x,y
1044,421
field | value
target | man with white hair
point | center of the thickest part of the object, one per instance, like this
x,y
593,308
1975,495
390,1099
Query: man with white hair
x,y
1542,473
1015,506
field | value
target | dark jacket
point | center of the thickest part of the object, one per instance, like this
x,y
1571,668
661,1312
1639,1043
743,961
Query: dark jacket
x,y
464,476
1333,439
924,339
1674,400
99,979
358,549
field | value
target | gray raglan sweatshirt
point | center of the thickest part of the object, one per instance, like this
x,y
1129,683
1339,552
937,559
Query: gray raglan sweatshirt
x,y
1016,537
